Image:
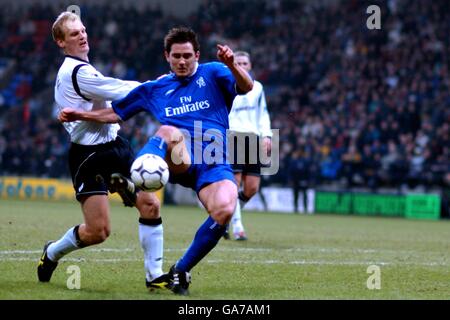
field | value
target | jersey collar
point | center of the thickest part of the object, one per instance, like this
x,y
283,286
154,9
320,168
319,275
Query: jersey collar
x,y
76,58
188,77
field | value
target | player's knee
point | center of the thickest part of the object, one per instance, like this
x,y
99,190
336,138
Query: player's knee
x,y
102,234
170,134
148,205
153,207
251,190
97,234
223,211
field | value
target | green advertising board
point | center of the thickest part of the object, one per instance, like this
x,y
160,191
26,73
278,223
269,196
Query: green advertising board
x,y
333,202
423,206
373,204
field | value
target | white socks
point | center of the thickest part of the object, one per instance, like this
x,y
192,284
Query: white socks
x,y
151,238
236,220
63,246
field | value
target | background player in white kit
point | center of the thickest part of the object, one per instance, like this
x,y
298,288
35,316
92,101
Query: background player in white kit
x,y
249,116
99,159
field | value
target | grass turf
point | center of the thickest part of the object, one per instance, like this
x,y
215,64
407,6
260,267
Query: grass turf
x,y
286,257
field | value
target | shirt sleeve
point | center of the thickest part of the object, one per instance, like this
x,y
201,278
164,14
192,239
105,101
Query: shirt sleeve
x,y
226,82
225,78
93,85
134,102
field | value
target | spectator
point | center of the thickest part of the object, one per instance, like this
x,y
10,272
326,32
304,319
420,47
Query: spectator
x,y
336,85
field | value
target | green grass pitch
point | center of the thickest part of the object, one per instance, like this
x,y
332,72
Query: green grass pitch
x,y
286,257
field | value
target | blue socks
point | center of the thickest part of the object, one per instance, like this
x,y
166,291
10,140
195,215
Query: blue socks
x,y
155,145
206,238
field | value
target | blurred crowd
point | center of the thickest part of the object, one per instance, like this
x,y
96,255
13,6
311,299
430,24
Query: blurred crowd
x,y
353,106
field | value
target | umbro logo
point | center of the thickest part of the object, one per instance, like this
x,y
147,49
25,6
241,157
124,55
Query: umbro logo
x,y
201,82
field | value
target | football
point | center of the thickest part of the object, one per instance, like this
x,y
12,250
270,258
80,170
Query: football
x,y
149,172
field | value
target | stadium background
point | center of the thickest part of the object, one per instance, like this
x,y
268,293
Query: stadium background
x,y
363,114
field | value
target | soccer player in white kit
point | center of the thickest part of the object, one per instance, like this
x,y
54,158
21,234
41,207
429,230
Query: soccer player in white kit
x,y
248,117
99,159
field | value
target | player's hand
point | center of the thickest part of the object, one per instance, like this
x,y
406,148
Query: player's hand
x,y
267,146
68,115
225,55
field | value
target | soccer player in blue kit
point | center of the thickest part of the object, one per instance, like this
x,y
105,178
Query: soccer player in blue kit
x,y
195,98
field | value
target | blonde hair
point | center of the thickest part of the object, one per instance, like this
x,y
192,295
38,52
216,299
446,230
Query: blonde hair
x,y
58,27
242,54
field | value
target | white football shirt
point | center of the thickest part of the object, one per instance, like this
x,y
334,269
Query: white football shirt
x,y
87,89
249,112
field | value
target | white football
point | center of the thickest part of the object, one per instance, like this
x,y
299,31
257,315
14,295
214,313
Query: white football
x,y
149,172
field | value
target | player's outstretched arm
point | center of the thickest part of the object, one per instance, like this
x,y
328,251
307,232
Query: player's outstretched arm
x,y
102,115
243,79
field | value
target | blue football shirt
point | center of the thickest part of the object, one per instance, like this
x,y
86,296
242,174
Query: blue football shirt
x,y
198,104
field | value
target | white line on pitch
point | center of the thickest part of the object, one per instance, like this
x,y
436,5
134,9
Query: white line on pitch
x,y
263,262
300,249
89,249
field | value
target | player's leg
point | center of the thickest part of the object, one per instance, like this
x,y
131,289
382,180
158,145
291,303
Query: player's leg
x,y
219,199
237,211
150,222
250,186
168,143
237,172
151,236
236,220
238,178
261,193
85,164
250,175
95,229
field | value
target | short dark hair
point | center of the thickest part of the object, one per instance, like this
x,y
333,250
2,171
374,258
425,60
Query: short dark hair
x,y
181,35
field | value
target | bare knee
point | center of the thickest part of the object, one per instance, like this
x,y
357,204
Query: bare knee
x,y
148,205
250,191
251,187
219,199
103,234
223,211
95,234
170,134
177,157
96,227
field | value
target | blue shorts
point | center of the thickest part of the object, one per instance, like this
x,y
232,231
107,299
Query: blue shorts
x,y
199,176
